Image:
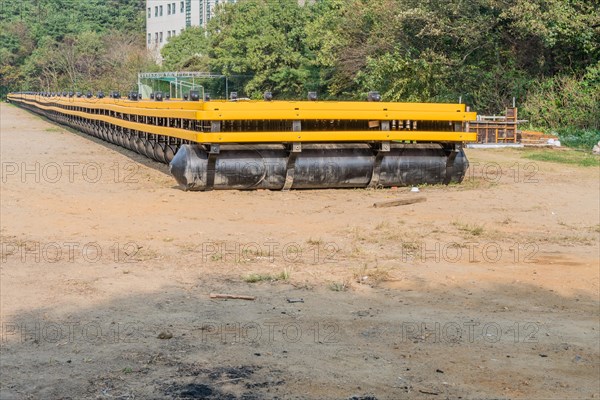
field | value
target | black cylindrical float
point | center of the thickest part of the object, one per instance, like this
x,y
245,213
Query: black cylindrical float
x,y
317,166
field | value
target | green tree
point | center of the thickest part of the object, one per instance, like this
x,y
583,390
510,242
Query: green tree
x,y
187,51
264,40
52,44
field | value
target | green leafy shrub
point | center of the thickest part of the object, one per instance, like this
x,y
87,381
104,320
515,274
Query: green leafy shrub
x,y
579,138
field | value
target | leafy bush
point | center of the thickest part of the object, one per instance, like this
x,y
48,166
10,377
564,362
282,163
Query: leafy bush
x,y
578,138
566,104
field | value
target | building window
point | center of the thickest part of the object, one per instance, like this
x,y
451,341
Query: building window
x,y
169,9
160,10
182,7
149,12
201,13
161,37
156,11
149,38
173,8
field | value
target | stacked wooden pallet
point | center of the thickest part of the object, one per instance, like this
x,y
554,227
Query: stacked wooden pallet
x,y
535,138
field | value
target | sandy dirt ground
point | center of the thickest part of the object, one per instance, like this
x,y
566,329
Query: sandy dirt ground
x,y
488,289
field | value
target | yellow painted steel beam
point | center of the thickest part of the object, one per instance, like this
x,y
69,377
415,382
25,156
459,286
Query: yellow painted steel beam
x,y
126,107
253,105
261,114
349,106
334,136
276,110
157,130
121,102
274,137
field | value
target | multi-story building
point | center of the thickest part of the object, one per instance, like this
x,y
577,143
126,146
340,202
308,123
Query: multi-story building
x,y
168,18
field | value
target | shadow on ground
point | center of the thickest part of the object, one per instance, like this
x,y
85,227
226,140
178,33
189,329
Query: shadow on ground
x,y
386,345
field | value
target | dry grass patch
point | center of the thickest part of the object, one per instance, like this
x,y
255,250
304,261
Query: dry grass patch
x,y
371,276
469,229
260,277
342,286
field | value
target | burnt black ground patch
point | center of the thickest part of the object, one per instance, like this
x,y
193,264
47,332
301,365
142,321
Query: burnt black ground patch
x,y
196,391
194,381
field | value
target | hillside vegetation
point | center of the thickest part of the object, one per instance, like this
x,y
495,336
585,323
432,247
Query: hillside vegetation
x,y
72,44
546,53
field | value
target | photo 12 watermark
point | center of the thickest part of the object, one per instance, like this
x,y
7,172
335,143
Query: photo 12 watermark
x,y
68,252
68,172
469,332
468,252
269,332
312,252
493,172
63,332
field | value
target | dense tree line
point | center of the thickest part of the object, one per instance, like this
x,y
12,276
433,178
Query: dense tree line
x,y
546,53
71,44
543,52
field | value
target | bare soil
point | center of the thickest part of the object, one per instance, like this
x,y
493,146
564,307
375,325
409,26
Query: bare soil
x,y
489,289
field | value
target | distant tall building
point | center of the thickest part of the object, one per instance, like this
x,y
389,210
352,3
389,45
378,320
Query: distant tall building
x,y
168,18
